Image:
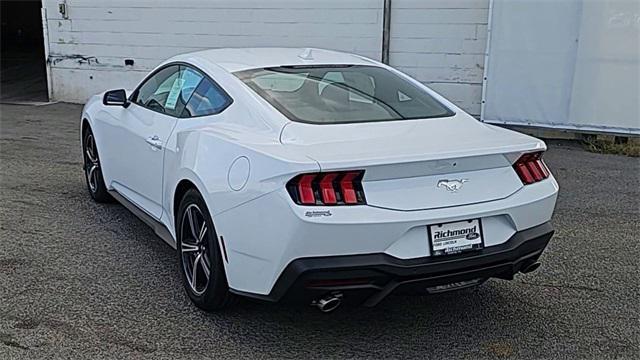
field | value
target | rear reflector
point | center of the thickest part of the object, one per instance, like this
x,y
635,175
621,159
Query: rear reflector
x,y
332,188
530,168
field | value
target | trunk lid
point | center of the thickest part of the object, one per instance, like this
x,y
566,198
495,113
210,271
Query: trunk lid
x,y
418,164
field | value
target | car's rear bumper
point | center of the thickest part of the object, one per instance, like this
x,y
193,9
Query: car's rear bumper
x,y
371,277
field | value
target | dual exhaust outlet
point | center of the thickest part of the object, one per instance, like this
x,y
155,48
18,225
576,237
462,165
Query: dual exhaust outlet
x,y
329,302
332,301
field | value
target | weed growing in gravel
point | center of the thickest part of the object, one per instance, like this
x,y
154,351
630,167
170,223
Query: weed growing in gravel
x,y
608,146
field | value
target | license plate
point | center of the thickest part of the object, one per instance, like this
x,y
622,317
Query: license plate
x,y
456,237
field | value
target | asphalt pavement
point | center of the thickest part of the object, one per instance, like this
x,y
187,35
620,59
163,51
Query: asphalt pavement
x,y
86,280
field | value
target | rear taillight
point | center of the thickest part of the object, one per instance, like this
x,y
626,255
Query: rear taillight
x,y
330,188
530,168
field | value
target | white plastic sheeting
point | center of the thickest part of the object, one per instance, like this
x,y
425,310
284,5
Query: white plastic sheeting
x,y
569,64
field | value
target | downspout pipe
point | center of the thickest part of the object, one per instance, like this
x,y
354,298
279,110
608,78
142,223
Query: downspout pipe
x,y
386,30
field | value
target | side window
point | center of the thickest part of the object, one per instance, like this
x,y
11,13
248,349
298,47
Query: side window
x,y
207,99
169,89
154,92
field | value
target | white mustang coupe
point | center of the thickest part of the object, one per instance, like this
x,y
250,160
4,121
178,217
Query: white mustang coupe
x,y
317,176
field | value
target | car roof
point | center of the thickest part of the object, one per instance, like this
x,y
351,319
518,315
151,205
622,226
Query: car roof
x,y
238,59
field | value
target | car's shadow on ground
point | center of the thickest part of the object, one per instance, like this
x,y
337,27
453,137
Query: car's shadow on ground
x,y
488,319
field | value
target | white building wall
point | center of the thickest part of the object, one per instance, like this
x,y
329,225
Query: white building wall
x,y
442,44
87,50
439,42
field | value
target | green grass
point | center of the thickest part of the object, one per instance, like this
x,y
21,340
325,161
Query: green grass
x,y
608,146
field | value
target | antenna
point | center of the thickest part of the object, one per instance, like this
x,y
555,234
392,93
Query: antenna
x,y
306,54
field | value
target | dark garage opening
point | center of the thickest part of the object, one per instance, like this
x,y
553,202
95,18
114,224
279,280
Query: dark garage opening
x,y
22,61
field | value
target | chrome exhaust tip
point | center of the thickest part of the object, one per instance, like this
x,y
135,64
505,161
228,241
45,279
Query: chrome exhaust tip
x,y
530,268
328,303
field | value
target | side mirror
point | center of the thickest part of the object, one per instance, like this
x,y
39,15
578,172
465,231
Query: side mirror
x,y
115,98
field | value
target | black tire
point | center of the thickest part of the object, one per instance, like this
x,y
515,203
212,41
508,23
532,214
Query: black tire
x,y
92,170
199,248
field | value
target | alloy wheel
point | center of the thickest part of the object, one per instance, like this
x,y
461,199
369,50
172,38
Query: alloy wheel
x,y
92,164
194,249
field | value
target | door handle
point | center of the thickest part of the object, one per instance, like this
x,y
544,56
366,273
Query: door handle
x,y
154,141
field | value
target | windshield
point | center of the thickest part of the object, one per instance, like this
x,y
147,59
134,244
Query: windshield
x,y
342,94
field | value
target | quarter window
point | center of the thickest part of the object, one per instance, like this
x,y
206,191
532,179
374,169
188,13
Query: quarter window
x,y
190,78
207,99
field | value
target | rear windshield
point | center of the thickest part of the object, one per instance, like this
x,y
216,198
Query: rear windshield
x,y
342,94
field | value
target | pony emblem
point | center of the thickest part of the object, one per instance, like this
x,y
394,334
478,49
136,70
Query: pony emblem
x,y
452,185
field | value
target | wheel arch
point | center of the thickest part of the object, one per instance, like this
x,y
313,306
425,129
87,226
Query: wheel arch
x,y
182,187
84,126
190,181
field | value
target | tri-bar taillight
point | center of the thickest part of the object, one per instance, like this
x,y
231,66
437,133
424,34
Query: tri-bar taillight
x,y
530,168
328,188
